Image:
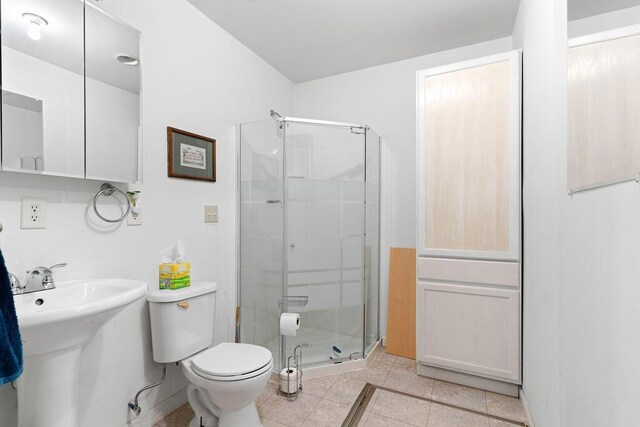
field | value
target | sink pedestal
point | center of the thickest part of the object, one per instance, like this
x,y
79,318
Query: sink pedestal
x,y
54,325
47,389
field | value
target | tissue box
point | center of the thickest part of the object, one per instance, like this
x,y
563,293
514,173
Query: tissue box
x,y
175,276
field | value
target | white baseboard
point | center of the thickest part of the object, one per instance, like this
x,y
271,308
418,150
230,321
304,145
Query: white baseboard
x,y
149,417
469,380
525,405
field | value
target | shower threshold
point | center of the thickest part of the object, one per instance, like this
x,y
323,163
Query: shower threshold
x,y
339,367
321,353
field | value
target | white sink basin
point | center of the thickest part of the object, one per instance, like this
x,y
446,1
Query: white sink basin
x,y
54,324
71,313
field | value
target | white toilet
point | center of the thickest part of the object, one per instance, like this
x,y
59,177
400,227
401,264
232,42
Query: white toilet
x,y
225,380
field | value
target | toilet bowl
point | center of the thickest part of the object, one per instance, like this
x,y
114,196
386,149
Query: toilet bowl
x,y
225,383
226,379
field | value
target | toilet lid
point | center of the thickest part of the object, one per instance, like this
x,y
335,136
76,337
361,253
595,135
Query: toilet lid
x,y
231,359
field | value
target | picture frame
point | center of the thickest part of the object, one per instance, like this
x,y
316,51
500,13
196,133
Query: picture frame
x,y
190,156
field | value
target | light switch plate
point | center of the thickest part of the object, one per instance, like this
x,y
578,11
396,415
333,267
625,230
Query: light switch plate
x,y
34,213
210,214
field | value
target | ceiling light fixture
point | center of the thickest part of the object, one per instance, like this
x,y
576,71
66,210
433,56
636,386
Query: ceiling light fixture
x,y
124,59
34,24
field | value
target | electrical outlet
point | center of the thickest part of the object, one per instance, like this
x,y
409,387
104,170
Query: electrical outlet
x,y
135,217
210,214
34,213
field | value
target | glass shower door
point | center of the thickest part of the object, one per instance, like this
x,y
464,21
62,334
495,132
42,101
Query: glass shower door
x,y
261,234
372,241
324,219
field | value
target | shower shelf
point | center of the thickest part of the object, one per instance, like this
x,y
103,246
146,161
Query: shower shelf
x,y
293,301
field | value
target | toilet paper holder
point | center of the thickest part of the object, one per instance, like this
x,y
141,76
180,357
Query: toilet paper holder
x,y
291,376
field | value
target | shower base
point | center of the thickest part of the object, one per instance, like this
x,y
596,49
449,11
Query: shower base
x,y
322,342
317,358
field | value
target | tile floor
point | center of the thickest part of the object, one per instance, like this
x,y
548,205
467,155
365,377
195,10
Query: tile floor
x,y
326,401
178,418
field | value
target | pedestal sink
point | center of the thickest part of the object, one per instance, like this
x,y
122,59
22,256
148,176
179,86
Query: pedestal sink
x,y
54,325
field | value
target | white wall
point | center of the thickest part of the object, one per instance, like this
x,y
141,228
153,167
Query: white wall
x,y
580,265
384,97
599,317
604,22
540,31
196,77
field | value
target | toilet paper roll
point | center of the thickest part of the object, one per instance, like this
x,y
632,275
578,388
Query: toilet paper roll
x,y
289,324
289,380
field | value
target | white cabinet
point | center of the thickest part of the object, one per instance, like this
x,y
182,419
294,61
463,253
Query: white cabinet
x,y
471,329
468,295
71,103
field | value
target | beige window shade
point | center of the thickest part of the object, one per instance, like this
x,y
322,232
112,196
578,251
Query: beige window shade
x,y
604,113
467,159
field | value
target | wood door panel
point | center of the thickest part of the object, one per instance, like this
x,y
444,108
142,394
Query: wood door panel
x,y
401,309
467,154
604,112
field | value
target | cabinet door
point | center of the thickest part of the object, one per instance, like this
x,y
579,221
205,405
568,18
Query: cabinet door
x,y
112,85
469,159
469,329
42,87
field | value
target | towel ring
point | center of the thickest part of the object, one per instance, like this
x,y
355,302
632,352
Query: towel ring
x,y
107,189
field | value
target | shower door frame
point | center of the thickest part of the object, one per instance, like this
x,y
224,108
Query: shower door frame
x,y
282,122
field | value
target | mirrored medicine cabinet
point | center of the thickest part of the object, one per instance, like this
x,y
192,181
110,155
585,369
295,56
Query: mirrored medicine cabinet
x,y
70,91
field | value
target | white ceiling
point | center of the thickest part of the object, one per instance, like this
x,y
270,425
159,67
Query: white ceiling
x,y
310,39
579,9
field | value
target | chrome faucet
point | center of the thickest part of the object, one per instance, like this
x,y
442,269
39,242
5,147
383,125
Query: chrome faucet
x,y
16,287
40,279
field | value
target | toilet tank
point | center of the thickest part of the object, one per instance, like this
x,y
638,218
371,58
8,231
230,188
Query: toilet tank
x,y
182,321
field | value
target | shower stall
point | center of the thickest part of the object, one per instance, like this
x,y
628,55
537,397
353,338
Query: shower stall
x,y
309,226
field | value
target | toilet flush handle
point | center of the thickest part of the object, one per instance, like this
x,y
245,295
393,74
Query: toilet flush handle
x,y
183,304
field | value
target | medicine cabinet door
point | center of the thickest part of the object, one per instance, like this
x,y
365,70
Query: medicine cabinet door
x,y
43,87
112,97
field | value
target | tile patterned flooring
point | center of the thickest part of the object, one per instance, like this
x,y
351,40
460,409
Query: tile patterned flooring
x,y
180,417
326,401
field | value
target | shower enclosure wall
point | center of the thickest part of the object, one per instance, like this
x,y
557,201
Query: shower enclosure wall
x,y
309,227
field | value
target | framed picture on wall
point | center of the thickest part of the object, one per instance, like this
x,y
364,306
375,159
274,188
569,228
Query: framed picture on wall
x,y
191,156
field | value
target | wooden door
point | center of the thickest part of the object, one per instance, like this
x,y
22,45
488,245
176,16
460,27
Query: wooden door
x,y
469,151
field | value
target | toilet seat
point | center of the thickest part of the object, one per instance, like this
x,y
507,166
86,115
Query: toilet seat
x,y
231,362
